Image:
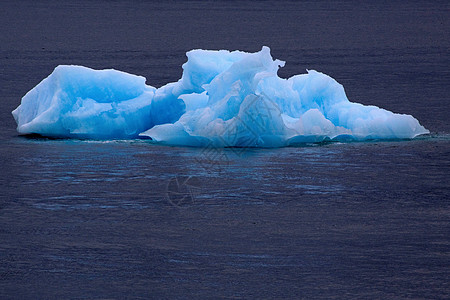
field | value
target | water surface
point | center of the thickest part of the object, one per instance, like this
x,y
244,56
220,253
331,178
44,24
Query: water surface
x,y
129,219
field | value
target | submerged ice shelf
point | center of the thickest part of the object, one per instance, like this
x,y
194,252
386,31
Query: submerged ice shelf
x,y
223,99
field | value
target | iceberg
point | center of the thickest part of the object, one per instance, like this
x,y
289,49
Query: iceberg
x,y
76,101
223,99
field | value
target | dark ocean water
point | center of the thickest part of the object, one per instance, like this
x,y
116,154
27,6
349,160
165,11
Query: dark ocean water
x,y
129,219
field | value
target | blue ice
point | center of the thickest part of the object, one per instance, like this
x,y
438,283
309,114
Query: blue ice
x,y
223,99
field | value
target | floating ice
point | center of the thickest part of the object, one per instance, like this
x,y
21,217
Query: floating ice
x,y
224,99
76,101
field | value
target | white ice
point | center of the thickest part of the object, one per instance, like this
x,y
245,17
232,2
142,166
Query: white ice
x,y
224,99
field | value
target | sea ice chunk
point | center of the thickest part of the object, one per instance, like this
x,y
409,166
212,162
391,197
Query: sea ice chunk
x,y
223,99
76,101
248,105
